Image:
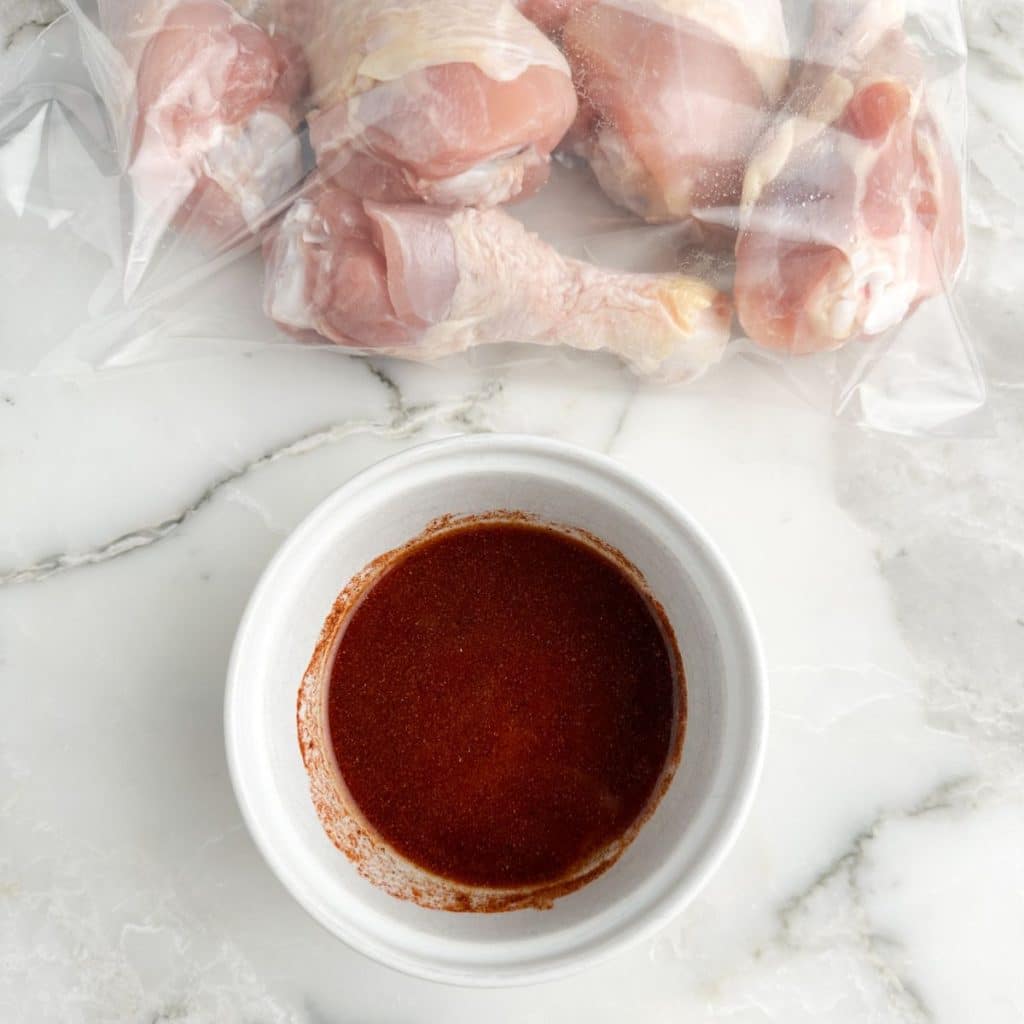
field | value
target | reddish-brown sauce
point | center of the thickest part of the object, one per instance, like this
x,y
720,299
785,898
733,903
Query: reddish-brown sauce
x,y
502,704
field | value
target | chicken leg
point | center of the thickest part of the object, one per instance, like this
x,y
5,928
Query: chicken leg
x,y
674,95
216,106
422,282
851,207
450,101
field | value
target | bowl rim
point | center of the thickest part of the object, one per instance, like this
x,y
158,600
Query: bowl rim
x,y
734,810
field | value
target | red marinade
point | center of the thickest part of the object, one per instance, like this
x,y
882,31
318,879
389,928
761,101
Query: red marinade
x,y
502,703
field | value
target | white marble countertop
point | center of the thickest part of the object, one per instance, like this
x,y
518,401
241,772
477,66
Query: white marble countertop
x,y
880,877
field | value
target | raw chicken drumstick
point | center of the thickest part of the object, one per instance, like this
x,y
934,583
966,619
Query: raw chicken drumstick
x,y
422,282
852,208
448,101
674,96
216,107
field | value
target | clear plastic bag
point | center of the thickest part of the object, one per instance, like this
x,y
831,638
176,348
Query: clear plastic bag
x,y
673,182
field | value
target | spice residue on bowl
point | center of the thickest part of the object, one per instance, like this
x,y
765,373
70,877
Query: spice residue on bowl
x,y
503,704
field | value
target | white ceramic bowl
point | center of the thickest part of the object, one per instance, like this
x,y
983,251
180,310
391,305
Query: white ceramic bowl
x,y
694,824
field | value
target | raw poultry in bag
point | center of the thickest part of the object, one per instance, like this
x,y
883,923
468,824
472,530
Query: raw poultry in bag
x,y
377,150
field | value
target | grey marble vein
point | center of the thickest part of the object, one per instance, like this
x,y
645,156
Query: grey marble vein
x,y
843,870
405,421
620,422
